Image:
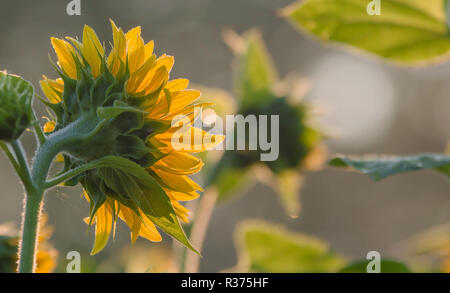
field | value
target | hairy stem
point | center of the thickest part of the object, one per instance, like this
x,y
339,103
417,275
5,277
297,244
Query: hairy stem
x,y
54,144
30,227
33,205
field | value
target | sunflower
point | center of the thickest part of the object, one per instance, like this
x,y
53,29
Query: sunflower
x,y
123,105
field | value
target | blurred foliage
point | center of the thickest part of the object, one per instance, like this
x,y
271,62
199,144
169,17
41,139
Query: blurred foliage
x,y
138,258
299,142
9,243
406,31
386,266
379,167
268,248
429,250
264,247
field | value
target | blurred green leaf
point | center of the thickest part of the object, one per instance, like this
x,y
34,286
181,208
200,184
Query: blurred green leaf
x,y
386,266
264,247
256,74
381,167
407,31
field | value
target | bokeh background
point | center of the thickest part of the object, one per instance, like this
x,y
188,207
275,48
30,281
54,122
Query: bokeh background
x,y
367,106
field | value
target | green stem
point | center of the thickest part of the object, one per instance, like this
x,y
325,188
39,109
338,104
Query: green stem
x,y
33,204
30,227
72,173
54,144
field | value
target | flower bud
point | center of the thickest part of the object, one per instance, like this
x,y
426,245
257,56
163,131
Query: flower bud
x,y
15,106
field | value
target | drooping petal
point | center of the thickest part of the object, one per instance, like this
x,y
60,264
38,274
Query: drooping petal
x,y
132,220
148,230
177,183
181,211
103,227
179,163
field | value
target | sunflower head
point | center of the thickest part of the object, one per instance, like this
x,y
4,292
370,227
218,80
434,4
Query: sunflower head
x,y
15,106
122,106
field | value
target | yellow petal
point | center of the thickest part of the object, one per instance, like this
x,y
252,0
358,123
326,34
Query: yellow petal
x,y
183,99
179,163
50,91
177,84
103,225
155,80
49,126
117,57
176,182
166,61
131,37
138,77
191,141
60,158
180,211
136,56
92,50
120,42
132,220
149,49
64,52
175,195
149,231
162,106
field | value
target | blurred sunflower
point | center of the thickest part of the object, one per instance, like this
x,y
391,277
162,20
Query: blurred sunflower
x,y
259,92
124,105
9,243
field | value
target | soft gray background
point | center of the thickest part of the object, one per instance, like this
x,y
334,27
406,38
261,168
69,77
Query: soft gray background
x,y
370,106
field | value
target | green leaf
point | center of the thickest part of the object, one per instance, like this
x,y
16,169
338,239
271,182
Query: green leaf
x,y
386,266
114,111
146,193
407,31
381,167
255,74
264,247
